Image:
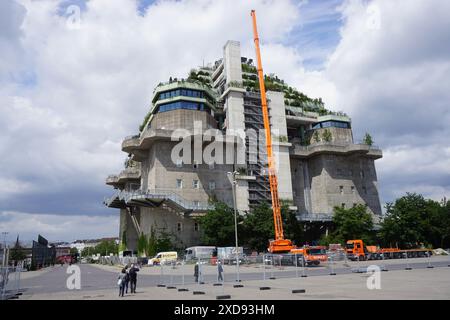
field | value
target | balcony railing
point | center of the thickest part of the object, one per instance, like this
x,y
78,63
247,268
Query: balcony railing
x,y
160,194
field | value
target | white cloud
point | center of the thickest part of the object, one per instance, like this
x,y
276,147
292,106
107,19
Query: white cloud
x,y
58,227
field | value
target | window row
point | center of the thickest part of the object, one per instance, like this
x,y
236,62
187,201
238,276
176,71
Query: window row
x,y
182,105
180,226
179,164
196,184
335,124
181,92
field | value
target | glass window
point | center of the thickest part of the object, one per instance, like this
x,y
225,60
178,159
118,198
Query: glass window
x,y
195,184
179,163
179,184
196,203
343,205
196,226
212,185
353,189
179,226
341,189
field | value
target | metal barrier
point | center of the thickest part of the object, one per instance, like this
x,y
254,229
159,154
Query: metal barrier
x,y
10,282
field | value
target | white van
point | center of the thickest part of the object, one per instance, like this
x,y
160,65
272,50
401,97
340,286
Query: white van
x,y
163,258
199,252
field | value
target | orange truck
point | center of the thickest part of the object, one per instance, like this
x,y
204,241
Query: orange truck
x,y
312,255
356,250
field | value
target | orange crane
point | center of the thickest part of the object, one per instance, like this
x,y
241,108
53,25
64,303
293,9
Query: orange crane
x,y
280,244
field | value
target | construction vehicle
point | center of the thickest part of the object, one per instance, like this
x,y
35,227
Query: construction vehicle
x,y
356,250
312,255
279,244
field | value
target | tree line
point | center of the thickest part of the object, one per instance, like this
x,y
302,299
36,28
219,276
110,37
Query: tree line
x,y
410,221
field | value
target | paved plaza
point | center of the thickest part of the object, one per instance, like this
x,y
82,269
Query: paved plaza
x,y
99,282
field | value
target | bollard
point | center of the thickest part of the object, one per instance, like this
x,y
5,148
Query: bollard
x,y
296,266
407,262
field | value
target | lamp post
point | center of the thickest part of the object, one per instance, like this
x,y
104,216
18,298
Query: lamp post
x,y
5,258
233,184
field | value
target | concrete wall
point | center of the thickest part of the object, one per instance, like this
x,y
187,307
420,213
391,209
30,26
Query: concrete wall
x,y
166,220
281,152
182,119
163,174
338,135
327,174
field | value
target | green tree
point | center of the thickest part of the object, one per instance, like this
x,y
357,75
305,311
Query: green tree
x,y
142,245
368,139
352,223
413,220
218,225
73,251
105,247
316,136
152,247
17,253
164,242
326,135
259,226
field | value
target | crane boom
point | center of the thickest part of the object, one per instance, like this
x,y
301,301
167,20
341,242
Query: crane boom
x,y
279,244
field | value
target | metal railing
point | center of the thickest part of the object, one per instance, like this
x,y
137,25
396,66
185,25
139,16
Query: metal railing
x,y
315,217
162,194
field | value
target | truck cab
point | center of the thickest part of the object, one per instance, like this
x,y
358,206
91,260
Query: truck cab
x,y
313,255
355,250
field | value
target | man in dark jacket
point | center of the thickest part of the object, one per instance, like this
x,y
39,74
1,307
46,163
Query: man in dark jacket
x,y
196,272
133,277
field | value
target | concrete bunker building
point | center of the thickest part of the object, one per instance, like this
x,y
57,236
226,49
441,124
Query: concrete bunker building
x,y
320,165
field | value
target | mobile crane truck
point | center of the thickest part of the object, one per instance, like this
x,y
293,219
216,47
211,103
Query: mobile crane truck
x,y
311,255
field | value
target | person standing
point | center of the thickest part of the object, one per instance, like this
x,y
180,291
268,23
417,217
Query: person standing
x,y
133,277
219,271
196,272
121,282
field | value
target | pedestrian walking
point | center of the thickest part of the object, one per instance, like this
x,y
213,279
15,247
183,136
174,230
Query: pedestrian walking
x,y
196,272
219,271
121,282
133,277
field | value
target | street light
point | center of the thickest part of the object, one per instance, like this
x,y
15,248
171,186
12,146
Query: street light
x,y
5,258
233,184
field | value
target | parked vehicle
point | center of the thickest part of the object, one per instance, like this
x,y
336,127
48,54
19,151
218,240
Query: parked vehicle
x,y
199,252
163,258
356,250
312,255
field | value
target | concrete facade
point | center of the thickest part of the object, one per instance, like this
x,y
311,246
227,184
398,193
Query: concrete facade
x,y
319,166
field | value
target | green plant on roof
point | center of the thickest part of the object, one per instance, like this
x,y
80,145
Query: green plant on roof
x,y
326,135
368,139
316,136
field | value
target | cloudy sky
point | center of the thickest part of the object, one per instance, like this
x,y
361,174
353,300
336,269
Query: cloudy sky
x,y
76,77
